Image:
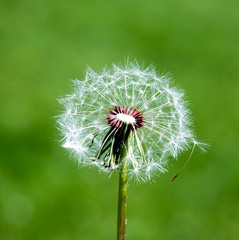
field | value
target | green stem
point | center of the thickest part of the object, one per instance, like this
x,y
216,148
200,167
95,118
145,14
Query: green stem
x,y
121,226
122,201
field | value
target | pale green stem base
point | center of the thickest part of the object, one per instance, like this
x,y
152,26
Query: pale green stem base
x,y
121,225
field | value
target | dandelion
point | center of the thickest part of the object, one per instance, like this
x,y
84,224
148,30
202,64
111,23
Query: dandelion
x,y
127,119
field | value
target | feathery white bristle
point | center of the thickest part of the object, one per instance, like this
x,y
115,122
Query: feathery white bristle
x,y
166,131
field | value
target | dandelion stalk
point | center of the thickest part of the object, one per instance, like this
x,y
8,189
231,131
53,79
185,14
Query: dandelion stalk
x,y
122,200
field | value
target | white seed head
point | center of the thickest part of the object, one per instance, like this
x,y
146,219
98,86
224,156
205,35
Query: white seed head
x,y
166,131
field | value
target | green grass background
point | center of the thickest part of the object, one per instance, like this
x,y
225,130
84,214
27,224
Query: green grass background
x,y
43,44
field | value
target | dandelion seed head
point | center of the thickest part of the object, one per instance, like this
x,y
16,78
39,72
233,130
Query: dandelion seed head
x,y
132,98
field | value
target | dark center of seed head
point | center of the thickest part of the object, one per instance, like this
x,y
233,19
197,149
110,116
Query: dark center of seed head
x,y
120,116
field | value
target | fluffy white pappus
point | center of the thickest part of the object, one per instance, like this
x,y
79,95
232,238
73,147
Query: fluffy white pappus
x,y
166,130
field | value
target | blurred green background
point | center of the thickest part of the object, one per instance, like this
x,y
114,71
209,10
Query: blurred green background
x,y
43,44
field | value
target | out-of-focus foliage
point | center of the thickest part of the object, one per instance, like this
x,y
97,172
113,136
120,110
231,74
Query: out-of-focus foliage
x,y
43,194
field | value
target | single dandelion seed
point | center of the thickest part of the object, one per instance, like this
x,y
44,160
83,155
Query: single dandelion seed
x,y
127,119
